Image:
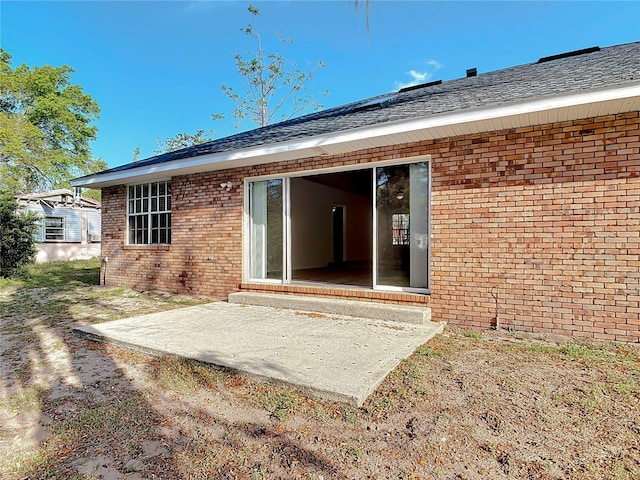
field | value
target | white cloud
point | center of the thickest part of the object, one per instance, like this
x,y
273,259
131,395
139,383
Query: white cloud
x,y
418,77
198,6
434,64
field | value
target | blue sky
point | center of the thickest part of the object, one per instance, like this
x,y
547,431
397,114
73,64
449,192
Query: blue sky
x,y
156,67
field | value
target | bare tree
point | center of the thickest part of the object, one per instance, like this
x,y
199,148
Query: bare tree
x,y
275,89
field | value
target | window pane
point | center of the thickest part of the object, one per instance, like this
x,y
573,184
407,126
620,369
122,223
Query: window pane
x,y
154,189
132,225
266,205
54,229
402,211
392,199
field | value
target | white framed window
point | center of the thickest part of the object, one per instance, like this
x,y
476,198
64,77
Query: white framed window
x,y
149,213
54,229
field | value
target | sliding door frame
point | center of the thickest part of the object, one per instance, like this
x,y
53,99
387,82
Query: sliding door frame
x,y
286,221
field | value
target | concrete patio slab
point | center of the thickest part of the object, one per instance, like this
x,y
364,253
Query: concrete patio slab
x,y
334,357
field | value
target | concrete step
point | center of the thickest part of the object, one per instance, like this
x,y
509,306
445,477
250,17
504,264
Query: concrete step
x,y
353,308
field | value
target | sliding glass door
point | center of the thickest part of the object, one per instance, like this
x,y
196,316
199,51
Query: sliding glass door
x,y
400,237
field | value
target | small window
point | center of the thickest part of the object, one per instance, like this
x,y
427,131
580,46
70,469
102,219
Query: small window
x,y
149,213
400,226
54,229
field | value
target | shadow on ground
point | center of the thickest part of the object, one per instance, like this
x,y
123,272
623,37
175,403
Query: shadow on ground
x,y
73,408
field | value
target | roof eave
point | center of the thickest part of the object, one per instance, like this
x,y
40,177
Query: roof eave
x,y
600,102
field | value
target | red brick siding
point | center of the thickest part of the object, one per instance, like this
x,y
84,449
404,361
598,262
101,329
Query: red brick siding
x,y
539,224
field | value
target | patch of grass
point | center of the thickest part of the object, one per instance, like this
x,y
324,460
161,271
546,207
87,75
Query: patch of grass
x,y
127,418
535,348
259,473
351,414
354,452
627,388
473,335
427,350
381,403
184,376
60,274
29,465
208,456
126,422
317,412
279,402
15,329
576,350
28,399
108,292
592,395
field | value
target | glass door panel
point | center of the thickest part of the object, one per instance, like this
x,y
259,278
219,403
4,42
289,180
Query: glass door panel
x,y
266,229
402,225
419,225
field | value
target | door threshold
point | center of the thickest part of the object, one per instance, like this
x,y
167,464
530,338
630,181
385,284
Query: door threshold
x,y
311,283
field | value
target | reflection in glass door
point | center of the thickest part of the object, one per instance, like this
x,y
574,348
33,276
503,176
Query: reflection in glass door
x,y
402,226
266,229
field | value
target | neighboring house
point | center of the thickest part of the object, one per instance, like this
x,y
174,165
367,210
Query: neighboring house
x,y
69,226
511,195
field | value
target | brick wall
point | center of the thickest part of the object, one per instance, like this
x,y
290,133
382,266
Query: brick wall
x,y
539,226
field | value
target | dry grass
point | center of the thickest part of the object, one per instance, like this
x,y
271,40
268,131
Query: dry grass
x,y
466,405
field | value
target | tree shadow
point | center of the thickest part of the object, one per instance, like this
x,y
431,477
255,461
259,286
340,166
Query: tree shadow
x,y
71,407
68,406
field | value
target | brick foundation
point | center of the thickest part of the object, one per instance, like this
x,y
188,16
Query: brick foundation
x,y
538,225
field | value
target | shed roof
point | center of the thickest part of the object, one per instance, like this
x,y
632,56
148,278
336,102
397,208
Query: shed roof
x,y
59,197
567,75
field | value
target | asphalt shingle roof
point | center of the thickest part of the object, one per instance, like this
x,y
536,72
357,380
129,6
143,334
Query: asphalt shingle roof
x,y
610,66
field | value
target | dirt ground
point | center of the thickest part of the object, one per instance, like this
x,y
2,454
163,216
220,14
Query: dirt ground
x,y
467,405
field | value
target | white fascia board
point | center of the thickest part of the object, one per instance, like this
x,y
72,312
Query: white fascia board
x,y
480,114
307,147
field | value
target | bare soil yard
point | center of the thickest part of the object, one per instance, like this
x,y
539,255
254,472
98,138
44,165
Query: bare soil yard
x,y
467,405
